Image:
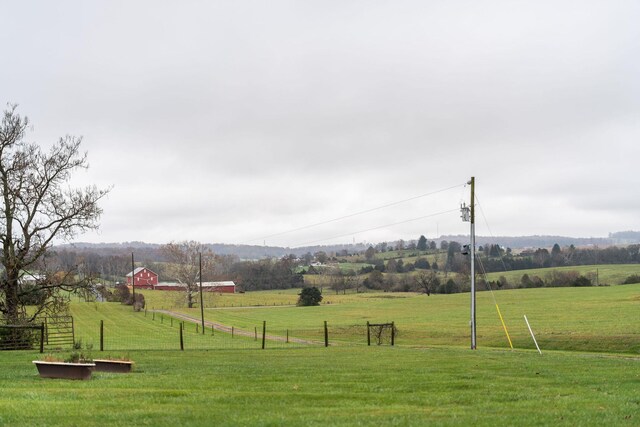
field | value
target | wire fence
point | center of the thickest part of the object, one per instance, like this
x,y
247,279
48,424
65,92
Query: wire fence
x,y
159,330
107,331
22,337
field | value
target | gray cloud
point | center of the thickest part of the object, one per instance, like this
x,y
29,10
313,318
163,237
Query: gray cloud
x,y
227,122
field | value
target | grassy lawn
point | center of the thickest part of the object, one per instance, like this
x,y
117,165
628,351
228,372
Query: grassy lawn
x,y
331,386
429,378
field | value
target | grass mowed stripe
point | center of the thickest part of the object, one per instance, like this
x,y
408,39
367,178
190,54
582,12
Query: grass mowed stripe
x,y
331,386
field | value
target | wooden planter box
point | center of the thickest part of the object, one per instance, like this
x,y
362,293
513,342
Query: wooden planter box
x,y
119,366
71,371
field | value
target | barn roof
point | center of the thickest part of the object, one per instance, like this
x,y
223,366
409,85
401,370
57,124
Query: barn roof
x,y
138,270
225,283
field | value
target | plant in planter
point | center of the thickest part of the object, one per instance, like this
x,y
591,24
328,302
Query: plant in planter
x,y
77,366
114,364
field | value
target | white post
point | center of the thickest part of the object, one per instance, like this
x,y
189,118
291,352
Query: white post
x,y
531,332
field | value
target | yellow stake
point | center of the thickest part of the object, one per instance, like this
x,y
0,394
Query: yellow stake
x,y
504,326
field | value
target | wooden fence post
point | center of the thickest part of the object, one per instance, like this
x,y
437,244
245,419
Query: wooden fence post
x,y
102,335
264,332
181,340
42,337
368,334
393,333
326,334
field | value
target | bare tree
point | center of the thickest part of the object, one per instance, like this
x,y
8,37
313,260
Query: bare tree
x,y
37,206
184,259
427,281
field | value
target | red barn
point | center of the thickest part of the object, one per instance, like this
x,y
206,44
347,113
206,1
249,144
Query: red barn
x,y
143,278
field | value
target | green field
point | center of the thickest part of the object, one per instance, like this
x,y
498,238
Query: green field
x,y
587,319
611,274
429,378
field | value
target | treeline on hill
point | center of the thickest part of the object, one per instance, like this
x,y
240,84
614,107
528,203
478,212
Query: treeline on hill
x,y
433,268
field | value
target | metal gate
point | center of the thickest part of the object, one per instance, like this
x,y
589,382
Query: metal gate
x,y
59,332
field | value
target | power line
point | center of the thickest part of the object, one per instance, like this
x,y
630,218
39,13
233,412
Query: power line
x,y
379,227
352,215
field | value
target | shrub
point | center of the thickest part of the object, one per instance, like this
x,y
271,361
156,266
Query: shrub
x,y
309,296
450,287
582,281
123,294
139,302
630,280
422,263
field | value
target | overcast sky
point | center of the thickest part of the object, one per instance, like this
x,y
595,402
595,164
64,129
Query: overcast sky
x,y
229,122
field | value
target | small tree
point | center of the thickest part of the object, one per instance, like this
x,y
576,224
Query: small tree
x,y
309,296
185,265
427,282
369,253
422,243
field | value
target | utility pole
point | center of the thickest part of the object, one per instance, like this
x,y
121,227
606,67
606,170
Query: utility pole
x,y
133,282
468,215
201,300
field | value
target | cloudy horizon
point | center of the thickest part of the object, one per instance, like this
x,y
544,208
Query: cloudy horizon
x,y
242,122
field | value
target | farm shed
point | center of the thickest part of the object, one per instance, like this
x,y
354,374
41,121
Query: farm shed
x,y
227,287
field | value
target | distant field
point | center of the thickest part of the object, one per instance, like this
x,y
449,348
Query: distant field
x,y
586,319
369,386
611,274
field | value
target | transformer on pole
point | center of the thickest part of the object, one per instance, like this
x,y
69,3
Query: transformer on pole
x,y
468,215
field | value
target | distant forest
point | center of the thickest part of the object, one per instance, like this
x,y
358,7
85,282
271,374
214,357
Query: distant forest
x,y
258,267
151,251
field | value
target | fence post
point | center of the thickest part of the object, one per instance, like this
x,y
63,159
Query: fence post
x,y
42,337
211,330
255,333
393,333
171,321
232,330
368,334
153,315
287,336
326,334
102,335
264,332
181,340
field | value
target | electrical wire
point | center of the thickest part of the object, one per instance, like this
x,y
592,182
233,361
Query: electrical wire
x,y
378,227
431,193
